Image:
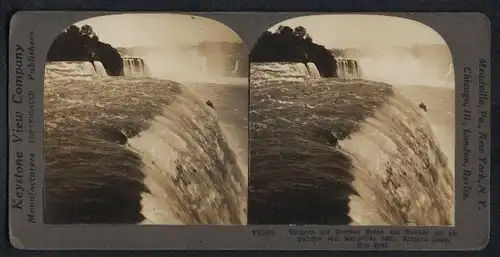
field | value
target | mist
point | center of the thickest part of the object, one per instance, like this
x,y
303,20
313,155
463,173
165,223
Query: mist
x,y
399,66
186,63
179,47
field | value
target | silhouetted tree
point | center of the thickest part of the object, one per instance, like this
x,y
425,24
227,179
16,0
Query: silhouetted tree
x,y
293,45
87,31
300,32
82,44
337,52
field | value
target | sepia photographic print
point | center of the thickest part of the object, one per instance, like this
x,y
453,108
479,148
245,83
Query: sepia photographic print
x,y
352,122
146,122
249,131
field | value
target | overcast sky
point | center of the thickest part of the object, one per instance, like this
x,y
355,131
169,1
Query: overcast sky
x,y
158,29
331,30
354,30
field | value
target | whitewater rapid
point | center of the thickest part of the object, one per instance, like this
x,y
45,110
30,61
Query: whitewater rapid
x,y
148,151
397,148
329,151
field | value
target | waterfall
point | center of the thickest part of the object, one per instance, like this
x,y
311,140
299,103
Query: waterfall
x,y
313,70
135,67
347,68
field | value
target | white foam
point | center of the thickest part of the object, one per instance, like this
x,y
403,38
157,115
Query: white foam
x,y
99,67
381,144
303,69
179,137
313,70
70,70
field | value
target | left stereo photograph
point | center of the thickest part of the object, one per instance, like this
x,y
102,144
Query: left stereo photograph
x,y
145,121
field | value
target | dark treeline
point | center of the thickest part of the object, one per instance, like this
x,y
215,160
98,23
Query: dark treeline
x,y
293,45
82,44
337,52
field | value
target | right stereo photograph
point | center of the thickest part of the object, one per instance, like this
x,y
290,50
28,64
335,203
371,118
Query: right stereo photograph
x,y
352,122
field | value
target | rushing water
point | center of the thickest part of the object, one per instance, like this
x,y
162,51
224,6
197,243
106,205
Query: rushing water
x,y
135,150
329,151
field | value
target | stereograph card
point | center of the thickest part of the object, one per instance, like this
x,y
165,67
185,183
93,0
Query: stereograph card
x,y
286,131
